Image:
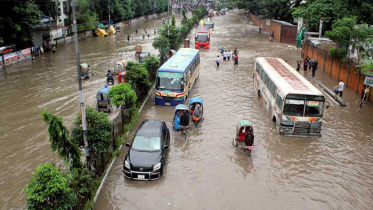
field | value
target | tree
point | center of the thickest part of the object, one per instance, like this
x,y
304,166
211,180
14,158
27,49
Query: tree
x,y
17,19
152,64
81,183
122,95
162,44
138,78
366,65
60,139
86,19
49,189
173,21
48,7
99,130
172,35
345,32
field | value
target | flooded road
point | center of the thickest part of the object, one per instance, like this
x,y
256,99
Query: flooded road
x,y
207,172
50,82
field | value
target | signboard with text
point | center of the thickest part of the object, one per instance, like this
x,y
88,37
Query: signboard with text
x,y
368,80
17,56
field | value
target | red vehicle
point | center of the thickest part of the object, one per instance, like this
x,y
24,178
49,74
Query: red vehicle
x,y
202,37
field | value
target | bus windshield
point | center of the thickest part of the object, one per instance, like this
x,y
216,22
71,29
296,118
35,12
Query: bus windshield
x,y
202,37
170,81
306,108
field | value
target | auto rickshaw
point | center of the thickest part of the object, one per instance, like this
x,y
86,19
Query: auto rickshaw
x,y
103,100
84,69
119,67
186,43
143,56
122,77
243,128
138,49
181,119
193,103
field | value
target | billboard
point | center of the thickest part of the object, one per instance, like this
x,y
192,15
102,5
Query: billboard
x,y
17,56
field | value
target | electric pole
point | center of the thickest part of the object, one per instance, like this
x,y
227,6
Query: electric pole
x,y
109,12
82,108
168,19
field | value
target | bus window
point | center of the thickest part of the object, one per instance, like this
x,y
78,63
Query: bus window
x,y
314,108
169,81
279,101
294,107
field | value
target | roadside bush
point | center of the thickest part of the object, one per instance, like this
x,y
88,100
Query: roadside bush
x,y
152,64
49,189
138,78
99,130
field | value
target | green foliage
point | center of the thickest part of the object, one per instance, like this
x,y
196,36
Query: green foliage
x,y
123,95
346,33
338,52
138,78
119,9
99,130
329,10
81,183
152,64
17,21
60,139
162,44
86,19
48,7
366,65
172,36
49,189
173,21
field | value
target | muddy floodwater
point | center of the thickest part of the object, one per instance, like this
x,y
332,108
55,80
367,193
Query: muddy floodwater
x,y
206,171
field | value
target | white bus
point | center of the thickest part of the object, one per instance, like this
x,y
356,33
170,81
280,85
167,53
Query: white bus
x,y
294,103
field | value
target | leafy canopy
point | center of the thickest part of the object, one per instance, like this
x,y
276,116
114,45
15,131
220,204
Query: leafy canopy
x,y
123,95
138,78
49,189
99,130
60,139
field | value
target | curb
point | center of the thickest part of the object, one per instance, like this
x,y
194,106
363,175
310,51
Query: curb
x,y
341,101
115,158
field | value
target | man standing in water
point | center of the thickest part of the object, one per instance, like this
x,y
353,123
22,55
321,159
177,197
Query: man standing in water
x,y
128,37
236,60
235,51
218,61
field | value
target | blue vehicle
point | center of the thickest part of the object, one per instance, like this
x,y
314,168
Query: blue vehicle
x,y
176,77
193,103
103,100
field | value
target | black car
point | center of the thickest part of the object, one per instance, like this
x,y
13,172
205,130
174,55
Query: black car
x,y
146,157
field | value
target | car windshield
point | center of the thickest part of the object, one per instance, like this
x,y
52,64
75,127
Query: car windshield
x,y
294,107
170,81
145,143
202,37
314,109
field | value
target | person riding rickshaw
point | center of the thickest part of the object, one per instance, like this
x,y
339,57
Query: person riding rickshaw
x,y
181,118
196,109
244,137
103,100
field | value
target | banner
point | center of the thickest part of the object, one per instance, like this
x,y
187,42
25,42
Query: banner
x,y
17,56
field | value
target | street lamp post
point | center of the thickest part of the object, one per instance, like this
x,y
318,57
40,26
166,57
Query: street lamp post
x,y
82,108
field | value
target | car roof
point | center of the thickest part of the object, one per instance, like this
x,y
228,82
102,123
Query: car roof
x,y
150,128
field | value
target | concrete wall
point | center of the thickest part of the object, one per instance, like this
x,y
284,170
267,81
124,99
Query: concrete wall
x,y
283,33
337,69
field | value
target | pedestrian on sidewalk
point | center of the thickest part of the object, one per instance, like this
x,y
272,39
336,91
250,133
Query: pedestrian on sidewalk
x,y
298,65
218,61
229,55
224,55
236,60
